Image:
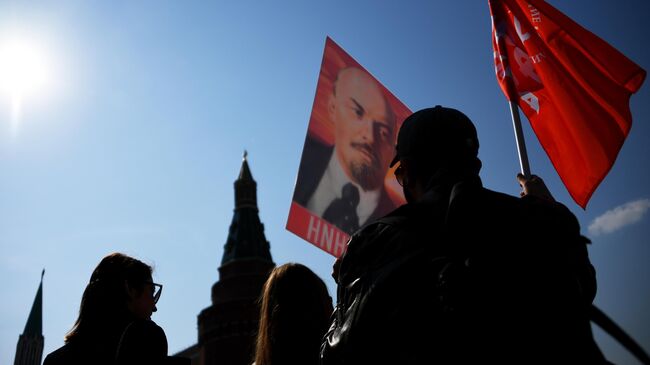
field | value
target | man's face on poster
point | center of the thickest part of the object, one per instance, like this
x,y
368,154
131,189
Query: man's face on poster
x,y
364,128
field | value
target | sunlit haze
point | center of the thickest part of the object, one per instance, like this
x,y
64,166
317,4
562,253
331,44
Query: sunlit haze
x,y
24,73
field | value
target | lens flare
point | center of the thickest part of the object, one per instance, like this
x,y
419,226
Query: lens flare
x,y
23,69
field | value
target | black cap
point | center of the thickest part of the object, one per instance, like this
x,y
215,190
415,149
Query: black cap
x,y
438,134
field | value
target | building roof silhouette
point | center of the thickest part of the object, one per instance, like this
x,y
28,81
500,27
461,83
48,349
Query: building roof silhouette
x,y
29,350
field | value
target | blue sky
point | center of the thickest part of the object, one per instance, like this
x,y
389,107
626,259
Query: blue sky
x,y
136,142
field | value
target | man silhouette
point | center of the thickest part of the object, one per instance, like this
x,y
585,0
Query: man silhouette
x,y
462,274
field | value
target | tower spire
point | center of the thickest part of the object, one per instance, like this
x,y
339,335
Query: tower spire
x,y
246,239
29,349
227,328
34,325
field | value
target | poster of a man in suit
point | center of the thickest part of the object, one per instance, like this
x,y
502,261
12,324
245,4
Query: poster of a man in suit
x,y
344,180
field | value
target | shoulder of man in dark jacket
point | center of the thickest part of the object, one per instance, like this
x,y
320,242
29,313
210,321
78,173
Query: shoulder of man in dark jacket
x,y
565,246
401,232
381,280
528,255
536,237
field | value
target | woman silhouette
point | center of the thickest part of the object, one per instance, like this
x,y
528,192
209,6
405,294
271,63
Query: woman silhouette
x,y
294,316
114,324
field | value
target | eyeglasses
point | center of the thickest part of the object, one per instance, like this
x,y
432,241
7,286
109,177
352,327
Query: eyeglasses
x,y
399,175
157,290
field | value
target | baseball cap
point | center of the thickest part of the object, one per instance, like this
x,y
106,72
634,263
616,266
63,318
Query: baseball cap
x,y
436,133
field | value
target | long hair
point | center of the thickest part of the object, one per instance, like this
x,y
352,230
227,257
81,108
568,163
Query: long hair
x,y
294,316
103,313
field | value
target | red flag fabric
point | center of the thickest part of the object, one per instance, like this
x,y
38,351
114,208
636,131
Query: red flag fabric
x,y
573,87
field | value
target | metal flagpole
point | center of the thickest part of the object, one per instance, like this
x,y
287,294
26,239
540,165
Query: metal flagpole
x,y
511,93
519,138
608,325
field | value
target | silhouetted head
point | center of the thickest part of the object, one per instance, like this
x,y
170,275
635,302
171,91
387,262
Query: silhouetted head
x,y
294,316
435,144
364,127
120,290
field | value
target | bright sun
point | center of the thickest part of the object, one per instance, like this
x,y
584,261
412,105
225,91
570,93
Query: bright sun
x,y
23,68
24,74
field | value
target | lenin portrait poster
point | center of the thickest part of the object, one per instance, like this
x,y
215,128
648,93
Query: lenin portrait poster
x,y
344,181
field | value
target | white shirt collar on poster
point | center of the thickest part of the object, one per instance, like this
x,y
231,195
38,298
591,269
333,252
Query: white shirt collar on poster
x,y
331,186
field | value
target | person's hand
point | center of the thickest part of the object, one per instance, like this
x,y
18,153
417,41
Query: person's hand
x,y
534,186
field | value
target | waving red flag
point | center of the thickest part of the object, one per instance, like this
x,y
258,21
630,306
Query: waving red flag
x,y
573,87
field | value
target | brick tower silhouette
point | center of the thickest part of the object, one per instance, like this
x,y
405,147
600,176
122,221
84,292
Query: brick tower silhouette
x,y
228,327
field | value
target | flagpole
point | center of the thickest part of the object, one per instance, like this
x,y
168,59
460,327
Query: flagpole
x,y
519,138
511,93
608,325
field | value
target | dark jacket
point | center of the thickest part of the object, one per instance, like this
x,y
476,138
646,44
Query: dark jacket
x,y
77,353
466,275
313,164
142,342
91,347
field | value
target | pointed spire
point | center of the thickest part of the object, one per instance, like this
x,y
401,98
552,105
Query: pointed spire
x,y
245,187
34,326
29,350
246,239
245,171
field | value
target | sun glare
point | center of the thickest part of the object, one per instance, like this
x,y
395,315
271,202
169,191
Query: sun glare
x,y
24,74
23,69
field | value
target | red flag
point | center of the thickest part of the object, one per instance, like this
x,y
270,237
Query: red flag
x,y
573,87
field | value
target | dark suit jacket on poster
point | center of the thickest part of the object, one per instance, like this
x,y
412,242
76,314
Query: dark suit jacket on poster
x,y
315,158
